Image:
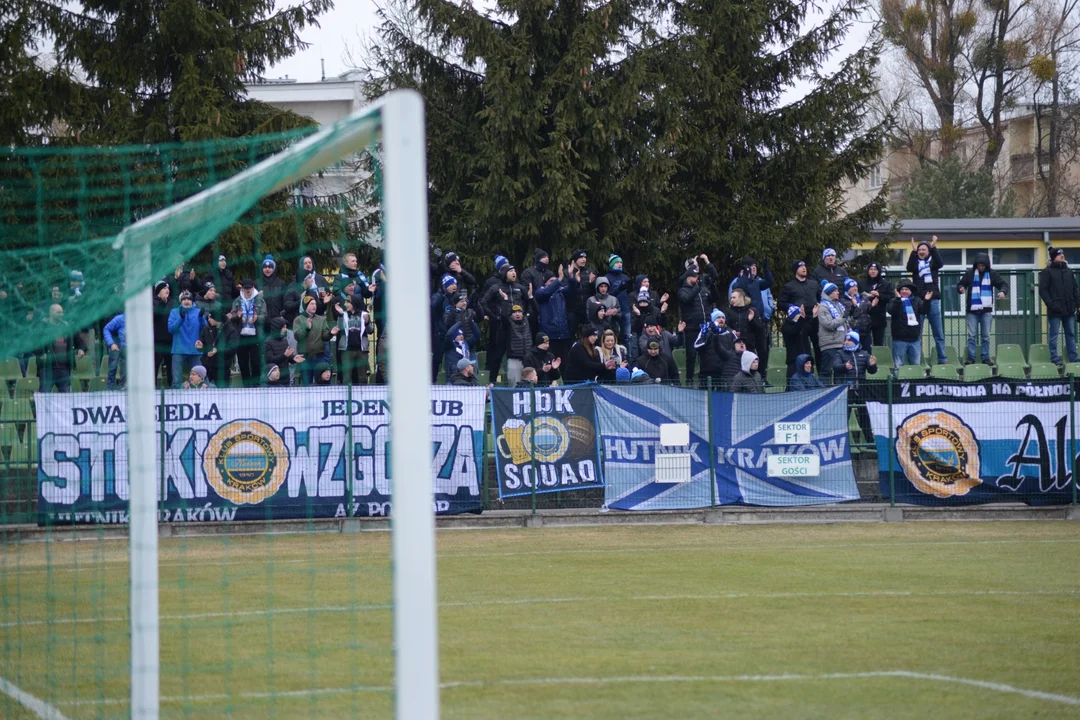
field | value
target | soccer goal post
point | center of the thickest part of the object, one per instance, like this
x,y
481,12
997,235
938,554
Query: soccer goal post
x,y
397,120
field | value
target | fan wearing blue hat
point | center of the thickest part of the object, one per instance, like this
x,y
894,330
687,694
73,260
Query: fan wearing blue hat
x,y
832,327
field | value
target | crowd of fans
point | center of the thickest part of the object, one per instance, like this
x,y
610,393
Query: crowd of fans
x,y
571,321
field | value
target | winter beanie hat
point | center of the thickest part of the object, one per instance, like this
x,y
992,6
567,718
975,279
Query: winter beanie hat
x,y
613,260
268,261
447,281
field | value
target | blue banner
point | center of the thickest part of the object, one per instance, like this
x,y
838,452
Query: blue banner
x,y
743,437
963,443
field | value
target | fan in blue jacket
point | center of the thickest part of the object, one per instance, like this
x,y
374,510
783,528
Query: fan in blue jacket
x,y
185,323
804,377
115,333
551,298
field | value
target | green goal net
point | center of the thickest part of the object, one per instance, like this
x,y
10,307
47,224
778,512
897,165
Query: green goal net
x,y
194,338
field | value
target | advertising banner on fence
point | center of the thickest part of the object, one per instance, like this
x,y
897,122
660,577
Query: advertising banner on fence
x,y
744,437
252,454
976,442
554,441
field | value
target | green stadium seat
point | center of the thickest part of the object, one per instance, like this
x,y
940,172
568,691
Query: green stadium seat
x,y
1045,371
10,370
777,357
977,372
1012,370
84,368
31,367
1010,354
854,431
236,380
1072,368
18,414
945,372
777,377
884,356
911,372
14,450
774,389
26,387
951,353
95,384
1039,353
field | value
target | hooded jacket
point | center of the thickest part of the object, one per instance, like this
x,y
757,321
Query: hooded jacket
x,y
600,302
885,295
738,319
997,283
714,346
803,380
900,329
747,380
753,286
276,345
1058,290
259,307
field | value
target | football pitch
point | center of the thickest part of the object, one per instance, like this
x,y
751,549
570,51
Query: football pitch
x,y
911,620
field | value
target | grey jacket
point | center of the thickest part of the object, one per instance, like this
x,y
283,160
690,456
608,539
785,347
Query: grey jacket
x,y
831,331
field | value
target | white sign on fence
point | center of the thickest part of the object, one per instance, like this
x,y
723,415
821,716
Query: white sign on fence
x,y
791,433
794,465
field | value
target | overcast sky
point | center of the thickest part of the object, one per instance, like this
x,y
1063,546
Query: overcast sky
x,y
343,27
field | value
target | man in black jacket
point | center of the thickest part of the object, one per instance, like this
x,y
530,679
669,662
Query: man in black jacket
x,y
279,352
497,303
924,263
696,299
543,361
532,279
982,284
906,330
660,367
1057,289
797,300
162,337
272,289
881,294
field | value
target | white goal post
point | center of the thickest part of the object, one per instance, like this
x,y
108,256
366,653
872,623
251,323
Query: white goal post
x,y
399,117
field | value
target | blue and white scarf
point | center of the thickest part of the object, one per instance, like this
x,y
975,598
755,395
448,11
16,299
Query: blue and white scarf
x,y
247,309
926,275
835,308
909,310
982,295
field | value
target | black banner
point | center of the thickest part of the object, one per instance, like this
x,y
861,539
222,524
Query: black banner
x,y
548,434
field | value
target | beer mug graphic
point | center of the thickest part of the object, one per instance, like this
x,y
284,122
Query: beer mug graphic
x,y
511,443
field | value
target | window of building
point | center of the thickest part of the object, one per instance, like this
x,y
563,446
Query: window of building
x,y
1072,256
1013,256
951,257
875,177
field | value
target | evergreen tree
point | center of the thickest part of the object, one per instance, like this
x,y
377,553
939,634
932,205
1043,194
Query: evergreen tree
x,y
949,190
650,128
754,177
156,71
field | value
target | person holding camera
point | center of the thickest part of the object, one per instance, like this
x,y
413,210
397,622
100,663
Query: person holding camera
x,y
696,299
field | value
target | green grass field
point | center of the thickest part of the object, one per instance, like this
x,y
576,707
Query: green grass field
x,y
909,620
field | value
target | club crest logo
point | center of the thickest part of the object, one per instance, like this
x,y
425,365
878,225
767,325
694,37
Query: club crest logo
x,y
553,438
939,453
246,462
